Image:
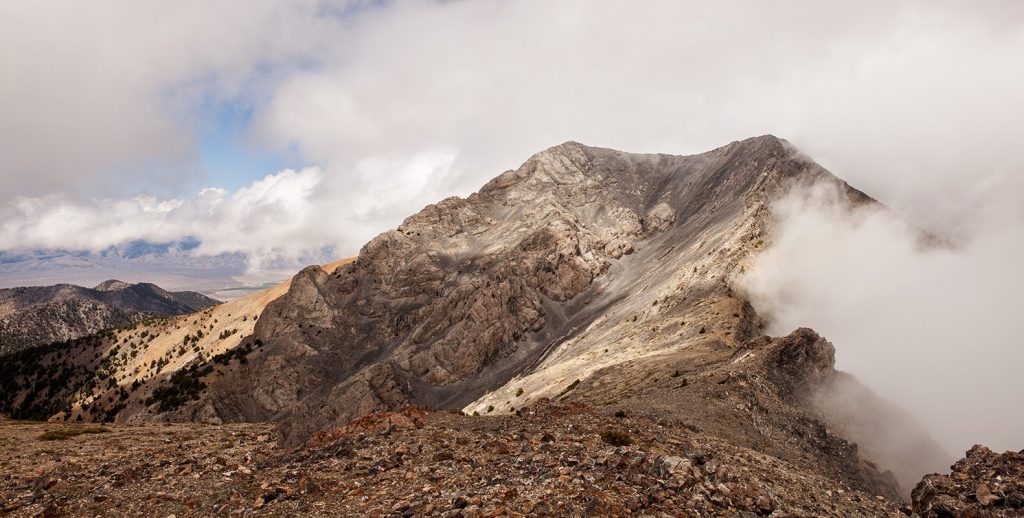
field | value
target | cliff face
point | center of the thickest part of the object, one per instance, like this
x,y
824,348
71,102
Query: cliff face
x,y
470,292
586,274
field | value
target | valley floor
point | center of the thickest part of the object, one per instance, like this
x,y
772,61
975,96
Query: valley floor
x,y
551,460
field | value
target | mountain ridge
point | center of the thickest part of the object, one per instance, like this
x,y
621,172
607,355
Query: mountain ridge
x,y
586,275
469,297
36,315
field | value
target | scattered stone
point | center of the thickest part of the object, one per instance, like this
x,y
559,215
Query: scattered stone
x,y
983,483
430,463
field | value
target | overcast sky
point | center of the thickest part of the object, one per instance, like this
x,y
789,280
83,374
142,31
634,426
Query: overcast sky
x,y
285,129
294,132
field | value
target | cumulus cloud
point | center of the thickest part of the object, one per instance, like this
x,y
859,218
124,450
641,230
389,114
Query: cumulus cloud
x,y
281,220
101,95
927,323
101,99
221,221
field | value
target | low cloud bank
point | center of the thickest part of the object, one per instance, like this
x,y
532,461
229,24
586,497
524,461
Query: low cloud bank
x,y
930,323
280,222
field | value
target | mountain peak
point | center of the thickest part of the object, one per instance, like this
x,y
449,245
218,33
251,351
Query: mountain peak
x,y
112,285
587,276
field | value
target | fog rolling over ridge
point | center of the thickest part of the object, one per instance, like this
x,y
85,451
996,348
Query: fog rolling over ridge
x,y
928,323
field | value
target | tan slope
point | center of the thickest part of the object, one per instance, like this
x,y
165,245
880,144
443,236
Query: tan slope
x,y
156,349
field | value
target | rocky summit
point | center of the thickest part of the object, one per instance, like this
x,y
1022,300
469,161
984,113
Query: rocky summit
x,y
580,260
569,340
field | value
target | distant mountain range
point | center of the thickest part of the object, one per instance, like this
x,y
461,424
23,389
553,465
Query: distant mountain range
x,y
172,266
39,315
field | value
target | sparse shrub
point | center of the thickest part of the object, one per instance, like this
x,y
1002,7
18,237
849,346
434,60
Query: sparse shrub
x,y
569,388
239,352
67,433
616,438
620,414
519,391
490,408
184,385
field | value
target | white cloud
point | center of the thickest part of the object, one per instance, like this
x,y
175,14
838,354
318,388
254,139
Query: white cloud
x,y
279,221
915,102
221,221
103,92
929,327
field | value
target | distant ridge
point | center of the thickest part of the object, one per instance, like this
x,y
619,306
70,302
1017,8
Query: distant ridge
x,y
38,315
112,285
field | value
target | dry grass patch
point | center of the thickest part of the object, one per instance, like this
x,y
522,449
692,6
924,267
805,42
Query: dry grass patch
x,y
67,433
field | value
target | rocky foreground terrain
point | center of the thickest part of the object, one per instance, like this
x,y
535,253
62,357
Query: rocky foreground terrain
x,y
552,460
39,315
547,460
984,483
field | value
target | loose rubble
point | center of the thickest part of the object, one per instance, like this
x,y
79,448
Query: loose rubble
x,y
982,484
550,460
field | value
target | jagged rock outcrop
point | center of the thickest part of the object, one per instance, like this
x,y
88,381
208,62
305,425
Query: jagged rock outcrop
x,y
469,292
585,274
982,484
40,315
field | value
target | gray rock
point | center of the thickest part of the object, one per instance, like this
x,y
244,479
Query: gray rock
x,y
469,292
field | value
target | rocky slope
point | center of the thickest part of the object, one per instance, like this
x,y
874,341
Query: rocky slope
x,y
40,315
550,460
470,292
587,275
